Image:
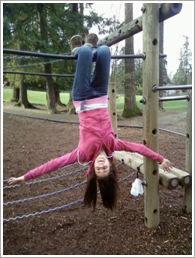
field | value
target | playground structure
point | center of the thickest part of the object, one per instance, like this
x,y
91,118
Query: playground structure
x,y
149,23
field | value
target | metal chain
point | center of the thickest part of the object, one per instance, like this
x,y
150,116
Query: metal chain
x,y
44,195
6,180
43,212
8,58
48,179
61,207
31,65
132,174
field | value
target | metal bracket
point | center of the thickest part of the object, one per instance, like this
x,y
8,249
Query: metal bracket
x,y
143,101
188,97
138,169
143,9
144,182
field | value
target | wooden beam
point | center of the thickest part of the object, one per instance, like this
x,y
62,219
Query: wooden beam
x,y
184,178
124,32
134,160
166,11
112,108
150,112
188,164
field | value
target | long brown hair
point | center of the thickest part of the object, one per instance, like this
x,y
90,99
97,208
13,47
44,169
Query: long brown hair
x,y
108,187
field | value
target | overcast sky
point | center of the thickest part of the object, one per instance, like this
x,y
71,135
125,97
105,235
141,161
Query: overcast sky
x,y
175,28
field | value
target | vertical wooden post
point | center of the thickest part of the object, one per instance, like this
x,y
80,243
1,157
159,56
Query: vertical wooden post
x,y
188,164
112,108
150,111
161,60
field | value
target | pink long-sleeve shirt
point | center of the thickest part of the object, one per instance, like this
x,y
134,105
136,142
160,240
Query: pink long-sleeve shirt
x,y
95,131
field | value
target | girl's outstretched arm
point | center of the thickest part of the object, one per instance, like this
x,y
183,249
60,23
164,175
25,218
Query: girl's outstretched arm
x,y
139,148
48,167
167,165
16,181
143,150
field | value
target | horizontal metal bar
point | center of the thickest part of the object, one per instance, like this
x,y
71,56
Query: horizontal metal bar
x,y
162,55
175,98
143,56
37,54
40,74
68,57
128,56
175,87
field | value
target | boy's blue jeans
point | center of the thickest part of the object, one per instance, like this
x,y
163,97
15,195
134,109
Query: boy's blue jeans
x,y
85,87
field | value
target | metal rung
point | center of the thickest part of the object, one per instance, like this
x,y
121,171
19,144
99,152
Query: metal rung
x,y
175,98
175,87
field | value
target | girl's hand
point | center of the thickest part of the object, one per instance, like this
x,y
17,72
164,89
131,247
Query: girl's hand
x,y
16,181
167,165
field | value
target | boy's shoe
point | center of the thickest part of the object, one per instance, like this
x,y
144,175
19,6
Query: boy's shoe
x,y
75,43
83,35
91,40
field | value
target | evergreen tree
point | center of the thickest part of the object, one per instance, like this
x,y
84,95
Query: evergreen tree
x,y
166,79
180,78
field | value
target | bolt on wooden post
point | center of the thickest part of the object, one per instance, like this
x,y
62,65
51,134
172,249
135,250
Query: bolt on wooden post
x,y
150,111
112,107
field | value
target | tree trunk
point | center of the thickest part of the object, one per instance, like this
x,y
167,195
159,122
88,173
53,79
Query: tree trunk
x,y
130,106
74,7
49,81
70,107
57,99
16,94
82,18
23,100
50,91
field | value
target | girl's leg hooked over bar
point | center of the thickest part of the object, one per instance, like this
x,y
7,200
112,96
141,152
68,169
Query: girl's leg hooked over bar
x,y
101,74
82,82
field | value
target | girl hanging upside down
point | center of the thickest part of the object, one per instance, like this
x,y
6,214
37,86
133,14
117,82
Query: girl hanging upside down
x,y
97,141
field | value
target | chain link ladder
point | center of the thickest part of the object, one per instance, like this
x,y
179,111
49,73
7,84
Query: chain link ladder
x,y
43,212
63,206
31,65
47,179
44,195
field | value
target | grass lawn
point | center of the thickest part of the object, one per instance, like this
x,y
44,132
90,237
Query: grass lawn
x,y
39,97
